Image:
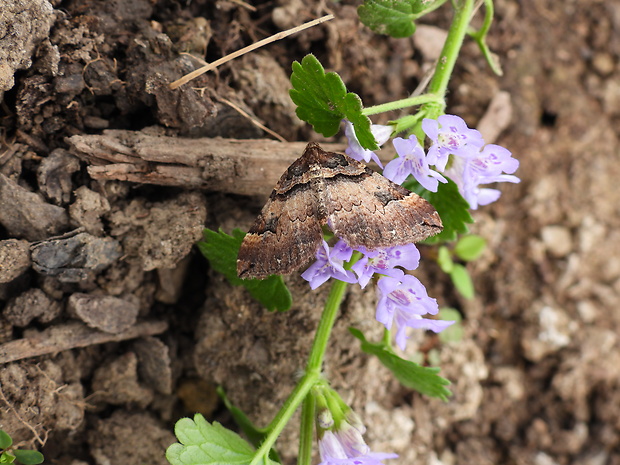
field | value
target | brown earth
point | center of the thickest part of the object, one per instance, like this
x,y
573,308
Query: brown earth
x,y
113,325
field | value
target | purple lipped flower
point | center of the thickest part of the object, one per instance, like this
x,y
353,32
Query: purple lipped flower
x,y
333,451
330,264
470,170
412,160
450,135
402,302
383,261
493,160
356,151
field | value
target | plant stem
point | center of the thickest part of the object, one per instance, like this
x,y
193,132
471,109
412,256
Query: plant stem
x,y
398,104
434,101
305,433
445,64
321,338
313,369
284,415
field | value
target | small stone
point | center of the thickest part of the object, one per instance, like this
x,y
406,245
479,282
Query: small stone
x,y
54,175
557,240
33,303
14,259
26,215
71,84
603,63
75,258
106,313
171,282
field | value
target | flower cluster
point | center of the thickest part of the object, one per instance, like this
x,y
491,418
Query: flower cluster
x,y
457,152
402,298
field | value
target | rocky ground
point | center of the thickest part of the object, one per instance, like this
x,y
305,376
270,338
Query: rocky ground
x,y
112,324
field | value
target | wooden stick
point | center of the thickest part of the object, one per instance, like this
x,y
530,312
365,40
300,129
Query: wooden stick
x,y
71,336
246,167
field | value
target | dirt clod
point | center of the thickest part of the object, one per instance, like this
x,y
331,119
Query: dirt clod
x,y
33,303
160,234
155,364
87,210
129,438
24,24
26,215
14,259
116,383
54,175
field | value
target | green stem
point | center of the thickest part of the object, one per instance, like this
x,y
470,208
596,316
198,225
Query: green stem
x,y
447,59
399,104
305,434
313,369
321,338
284,415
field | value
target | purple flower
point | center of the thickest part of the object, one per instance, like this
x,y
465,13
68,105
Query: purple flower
x,y
485,166
402,302
337,450
412,160
383,261
329,264
450,135
356,151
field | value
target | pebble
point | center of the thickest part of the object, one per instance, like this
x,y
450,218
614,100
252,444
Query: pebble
x,y
104,312
74,259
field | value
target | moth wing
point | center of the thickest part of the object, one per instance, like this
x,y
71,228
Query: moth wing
x,y
371,211
285,236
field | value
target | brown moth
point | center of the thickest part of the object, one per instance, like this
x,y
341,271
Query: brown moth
x,y
360,206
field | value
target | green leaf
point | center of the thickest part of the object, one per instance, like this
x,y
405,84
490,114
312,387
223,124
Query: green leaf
x,y
451,206
452,333
470,247
394,17
221,250
255,435
28,457
422,379
7,457
444,259
204,443
5,440
323,101
462,281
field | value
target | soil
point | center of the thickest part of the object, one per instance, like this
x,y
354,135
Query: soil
x,y
112,324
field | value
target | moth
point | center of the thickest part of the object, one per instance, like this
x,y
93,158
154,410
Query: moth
x,y
325,188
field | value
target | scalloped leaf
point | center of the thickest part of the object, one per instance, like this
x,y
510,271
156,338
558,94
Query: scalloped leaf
x,y
323,101
204,443
425,380
395,18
